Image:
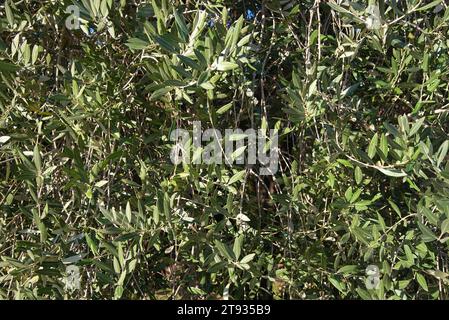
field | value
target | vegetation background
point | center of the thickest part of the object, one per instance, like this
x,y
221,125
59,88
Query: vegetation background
x,y
86,178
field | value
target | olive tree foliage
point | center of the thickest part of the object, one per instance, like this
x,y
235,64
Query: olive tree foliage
x,y
357,89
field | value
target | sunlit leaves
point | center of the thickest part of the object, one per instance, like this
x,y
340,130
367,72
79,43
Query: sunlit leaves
x,y
86,179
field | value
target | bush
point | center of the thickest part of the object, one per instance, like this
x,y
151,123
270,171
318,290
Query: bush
x,y
359,206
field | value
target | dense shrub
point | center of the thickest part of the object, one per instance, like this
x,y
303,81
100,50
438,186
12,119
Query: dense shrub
x,y
86,177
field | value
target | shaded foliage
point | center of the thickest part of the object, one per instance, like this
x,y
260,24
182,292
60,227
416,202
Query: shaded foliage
x,y
86,177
